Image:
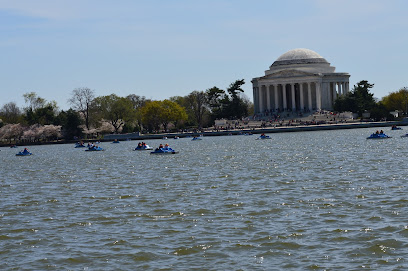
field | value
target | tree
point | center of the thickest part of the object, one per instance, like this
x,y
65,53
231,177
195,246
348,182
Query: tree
x,y
197,103
70,121
34,102
11,131
236,108
116,110
81,100
11,113
397,100
151,115
137,102
156,113
171,112
358,100
215,98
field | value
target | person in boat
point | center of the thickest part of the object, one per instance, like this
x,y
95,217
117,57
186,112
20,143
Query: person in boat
x,y
377,132
161,146
25,151
381,132
139,146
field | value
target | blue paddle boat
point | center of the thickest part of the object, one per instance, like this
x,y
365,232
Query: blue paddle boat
x,y
263,136
143,147
378,136
196,138
81,145
164,150
94,148
25,152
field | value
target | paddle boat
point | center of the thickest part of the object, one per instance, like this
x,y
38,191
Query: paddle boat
x,y
115,141
164,137
380,135
13,146
263,136
143,147
176,137
406,135
25,152
164,150
94,148
80,145
196,138
395,127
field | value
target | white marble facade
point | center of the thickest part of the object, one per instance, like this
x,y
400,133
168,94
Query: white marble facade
x,y
299,80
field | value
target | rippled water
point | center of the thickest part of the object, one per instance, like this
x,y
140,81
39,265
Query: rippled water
x,y
300,201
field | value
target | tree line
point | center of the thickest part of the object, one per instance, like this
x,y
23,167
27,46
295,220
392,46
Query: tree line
x,y
92,115
360,100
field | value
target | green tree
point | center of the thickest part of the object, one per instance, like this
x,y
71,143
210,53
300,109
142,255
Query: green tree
x,y
236,108
215,96
151,115
397,100
70,121
163,113
172,112
358,100
44,115
116,110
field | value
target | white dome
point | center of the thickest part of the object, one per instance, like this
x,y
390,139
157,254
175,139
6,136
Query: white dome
x,y
299,53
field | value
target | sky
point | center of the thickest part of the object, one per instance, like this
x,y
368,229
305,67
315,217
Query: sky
x,y
164,48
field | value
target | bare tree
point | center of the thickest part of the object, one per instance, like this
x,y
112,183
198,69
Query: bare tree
x,y
10,113
81,100
197,102
33,100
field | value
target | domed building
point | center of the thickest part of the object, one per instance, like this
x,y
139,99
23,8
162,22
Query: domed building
x,y
299,80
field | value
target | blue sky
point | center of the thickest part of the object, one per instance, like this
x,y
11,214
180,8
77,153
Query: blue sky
x,y
160,49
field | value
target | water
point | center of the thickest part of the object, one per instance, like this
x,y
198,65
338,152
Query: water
x,y
328,200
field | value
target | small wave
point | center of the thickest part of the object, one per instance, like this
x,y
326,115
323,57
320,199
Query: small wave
x,y
144,257
191,250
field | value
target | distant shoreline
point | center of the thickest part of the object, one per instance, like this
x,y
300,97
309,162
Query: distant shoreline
x,y
278,129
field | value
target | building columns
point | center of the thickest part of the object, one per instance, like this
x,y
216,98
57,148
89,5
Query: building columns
x,y
293,97
302,105
261,102
335,92
309,95
284,105
275,87
268,97
318,96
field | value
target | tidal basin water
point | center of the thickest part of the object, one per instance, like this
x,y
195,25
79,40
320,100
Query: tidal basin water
x,y
328,200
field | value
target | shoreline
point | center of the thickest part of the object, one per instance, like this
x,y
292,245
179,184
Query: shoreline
x,y
271,130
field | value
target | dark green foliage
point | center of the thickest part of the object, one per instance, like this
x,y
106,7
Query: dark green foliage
x,y
228,106
358,100
70,121
380,112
